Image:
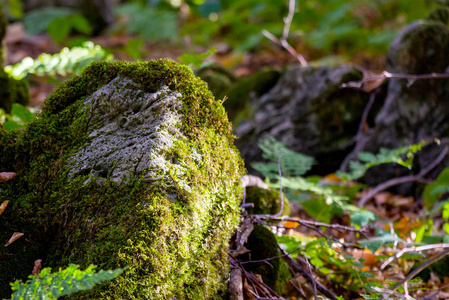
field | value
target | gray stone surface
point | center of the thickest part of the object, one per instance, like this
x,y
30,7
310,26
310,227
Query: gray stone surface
x,y
307,111
414,110
130,132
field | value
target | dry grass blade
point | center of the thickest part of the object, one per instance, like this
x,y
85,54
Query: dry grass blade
x,y
14,238
5,176
3,206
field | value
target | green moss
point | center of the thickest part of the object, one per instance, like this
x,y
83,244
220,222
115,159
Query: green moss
x,y
12,91
240,92
3,24
217,77
262,244
173,249
265,201
441,14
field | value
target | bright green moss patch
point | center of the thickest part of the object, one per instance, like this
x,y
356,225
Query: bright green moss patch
x,y
172,233
266,201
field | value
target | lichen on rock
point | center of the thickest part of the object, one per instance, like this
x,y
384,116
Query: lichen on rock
x,y
129,165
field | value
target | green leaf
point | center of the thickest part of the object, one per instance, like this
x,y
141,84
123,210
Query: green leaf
x,y
402,156
22,113
62,283
67,61
59,29
196,60
10,125
434,191
373,244
362,218
37,21
80,23
292,163
15,9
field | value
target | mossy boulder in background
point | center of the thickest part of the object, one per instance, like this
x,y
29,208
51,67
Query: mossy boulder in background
x,y
266,201
414,110
244,89
262,244
239,91
11,90
309,112
129,165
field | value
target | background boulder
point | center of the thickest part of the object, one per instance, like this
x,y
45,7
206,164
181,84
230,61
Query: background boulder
x,y
414,110
309,112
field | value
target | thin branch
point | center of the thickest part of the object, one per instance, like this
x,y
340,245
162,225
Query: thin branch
x,y
311,276
298,289
270,258
283,40
295,266
288,19
418,269
281,209
337,227
413,249
359,135
386,74
404,179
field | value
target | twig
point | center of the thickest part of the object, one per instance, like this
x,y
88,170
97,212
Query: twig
x,y
389,293
235,286
404,179
297,268
337,227
281,209
386,74
270,258
298,289
311,276
418,269
359,135
283,41
413,249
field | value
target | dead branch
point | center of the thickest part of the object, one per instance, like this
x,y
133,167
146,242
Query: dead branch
x,y
359,135
337,227
413,249
385,74
418,270
283,40
298,269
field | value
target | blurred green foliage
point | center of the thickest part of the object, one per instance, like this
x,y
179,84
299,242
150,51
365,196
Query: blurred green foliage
x,y
59,22
320,28
64,282
68,61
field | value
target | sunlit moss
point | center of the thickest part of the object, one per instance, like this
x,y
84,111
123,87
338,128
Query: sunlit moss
x,y
173,249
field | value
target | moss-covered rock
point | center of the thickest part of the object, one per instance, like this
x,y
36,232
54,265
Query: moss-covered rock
x,y
167,217
262,245
309,112
244,89
218,78
414,111
266,201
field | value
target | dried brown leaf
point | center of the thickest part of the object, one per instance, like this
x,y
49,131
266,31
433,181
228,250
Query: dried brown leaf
x,y
371,81
37,267
5,176
3,206
14,237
